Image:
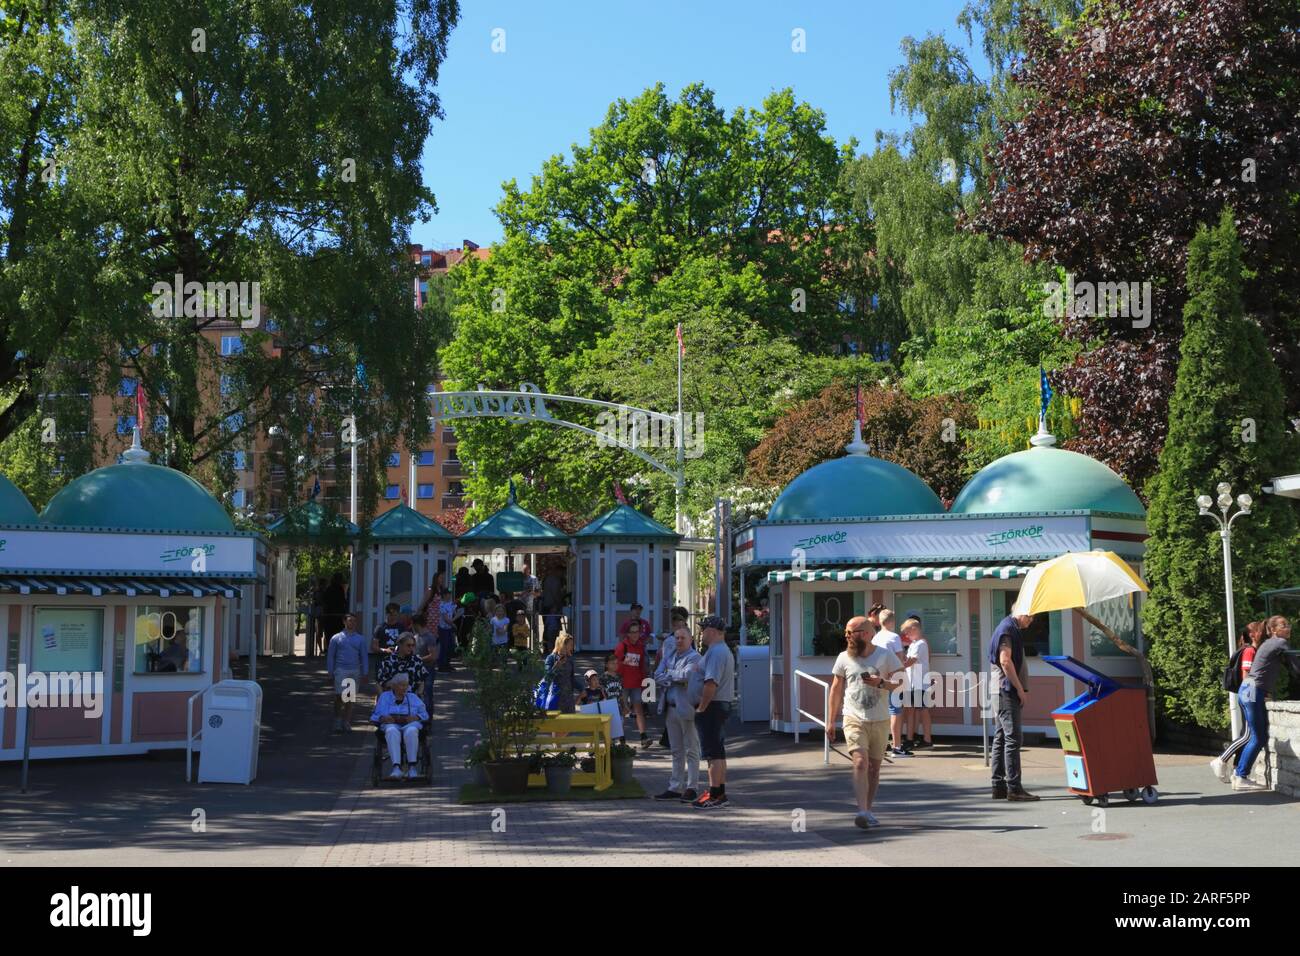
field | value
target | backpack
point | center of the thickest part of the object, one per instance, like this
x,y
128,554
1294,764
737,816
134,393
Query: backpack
x,y
1232,673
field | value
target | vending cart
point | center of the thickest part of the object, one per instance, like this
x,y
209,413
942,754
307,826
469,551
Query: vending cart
x,y
1105,737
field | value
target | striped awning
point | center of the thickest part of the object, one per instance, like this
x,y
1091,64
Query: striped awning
x,y
130,587
920,572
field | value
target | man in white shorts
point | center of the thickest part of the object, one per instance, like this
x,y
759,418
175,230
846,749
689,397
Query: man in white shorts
x,y
863,680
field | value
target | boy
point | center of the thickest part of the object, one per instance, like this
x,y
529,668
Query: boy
x,y
612,682
631,654
520,632
385,637
915,712
594,692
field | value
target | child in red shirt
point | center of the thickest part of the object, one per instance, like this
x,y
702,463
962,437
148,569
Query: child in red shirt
x,y
631,654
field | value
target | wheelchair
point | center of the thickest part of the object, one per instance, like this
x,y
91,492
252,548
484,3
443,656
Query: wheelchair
x,y
381,766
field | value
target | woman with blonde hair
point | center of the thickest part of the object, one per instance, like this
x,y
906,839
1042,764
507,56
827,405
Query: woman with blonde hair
x,y
560,671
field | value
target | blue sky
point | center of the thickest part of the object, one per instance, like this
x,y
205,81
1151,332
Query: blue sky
x,y
565,63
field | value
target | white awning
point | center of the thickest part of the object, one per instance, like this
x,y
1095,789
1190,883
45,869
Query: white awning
x,y
920,572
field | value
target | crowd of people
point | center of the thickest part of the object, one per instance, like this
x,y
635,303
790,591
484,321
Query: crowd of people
x,y
878,685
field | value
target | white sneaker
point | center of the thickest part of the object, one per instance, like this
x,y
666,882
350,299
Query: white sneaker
x,y
1221,769
1245,783
396,774
412,774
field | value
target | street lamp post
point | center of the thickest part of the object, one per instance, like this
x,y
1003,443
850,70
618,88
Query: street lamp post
x,y
1225,521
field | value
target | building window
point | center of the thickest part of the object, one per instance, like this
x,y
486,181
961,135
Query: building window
x,y
1043,636
395,460
427,258
393,492
424,288
424,491
159,424
125,423
625,575
168,639
776,625
232,344
825,614
126,387
239,498
938,613
239,460
233,423
426,457
225,385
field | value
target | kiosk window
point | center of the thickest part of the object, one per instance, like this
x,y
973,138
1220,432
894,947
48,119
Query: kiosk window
x,y
168,639
823,633
1121,617
938,613
1043,636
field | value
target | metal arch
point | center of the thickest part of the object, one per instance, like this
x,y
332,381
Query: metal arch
x,y
527,405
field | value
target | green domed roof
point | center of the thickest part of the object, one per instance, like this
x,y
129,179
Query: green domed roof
x,y
1046,479
137,496
14,506
855,486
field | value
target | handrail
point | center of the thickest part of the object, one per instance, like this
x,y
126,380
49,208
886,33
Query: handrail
x,y
826,709
189,730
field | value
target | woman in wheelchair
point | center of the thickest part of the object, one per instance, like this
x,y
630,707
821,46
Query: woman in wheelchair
x,y
400,714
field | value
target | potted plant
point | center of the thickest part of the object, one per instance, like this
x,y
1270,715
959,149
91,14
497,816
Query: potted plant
x,y
475,758
620,762
559,770
504,698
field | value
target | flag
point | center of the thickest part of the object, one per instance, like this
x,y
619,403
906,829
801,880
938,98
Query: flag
x,y
315,488
140,406
858,400
618,493
681,343
1045,393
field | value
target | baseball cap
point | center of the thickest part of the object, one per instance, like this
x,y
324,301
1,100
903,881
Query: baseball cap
x,y
713,621
590,673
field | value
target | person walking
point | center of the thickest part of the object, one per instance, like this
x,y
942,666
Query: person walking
x,y
678,663
560,671
717,675
552,602
347,662
863,678
1270,657
1009,675
1250,640
334,605
448,613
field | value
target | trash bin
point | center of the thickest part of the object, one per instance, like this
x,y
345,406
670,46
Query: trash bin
x,y
1105,737
755,681
232,724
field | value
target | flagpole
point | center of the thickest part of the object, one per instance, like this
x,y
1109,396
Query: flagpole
x,y
685,583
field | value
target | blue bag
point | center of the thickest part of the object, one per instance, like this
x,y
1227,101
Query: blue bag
x,y
547,695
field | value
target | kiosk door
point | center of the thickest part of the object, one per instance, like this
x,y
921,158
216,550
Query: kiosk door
x,y
625,577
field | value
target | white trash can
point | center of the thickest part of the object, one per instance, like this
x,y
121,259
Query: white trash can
x,y
232,725
755,683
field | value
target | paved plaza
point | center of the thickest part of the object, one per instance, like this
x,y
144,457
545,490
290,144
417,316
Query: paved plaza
x,y
313,805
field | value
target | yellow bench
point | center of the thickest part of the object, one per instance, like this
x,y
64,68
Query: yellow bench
x,y
583,732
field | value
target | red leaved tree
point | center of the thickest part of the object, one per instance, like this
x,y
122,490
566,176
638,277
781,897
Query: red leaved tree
x,y
1147,120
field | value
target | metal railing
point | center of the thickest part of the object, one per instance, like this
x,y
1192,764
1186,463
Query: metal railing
x,y
826,709
190,735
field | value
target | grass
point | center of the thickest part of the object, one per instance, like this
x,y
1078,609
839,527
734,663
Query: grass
x,y
477,793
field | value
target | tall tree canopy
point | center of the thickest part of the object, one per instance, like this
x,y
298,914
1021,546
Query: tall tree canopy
x,y
1144,120
1225,424
241,142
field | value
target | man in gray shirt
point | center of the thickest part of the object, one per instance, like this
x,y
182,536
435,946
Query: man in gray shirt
x,y
718,674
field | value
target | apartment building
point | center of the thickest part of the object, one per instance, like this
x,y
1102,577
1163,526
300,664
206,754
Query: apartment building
x,y
436,468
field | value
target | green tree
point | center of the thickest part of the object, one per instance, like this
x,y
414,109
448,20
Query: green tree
x,y
266,143
1226,423
674,212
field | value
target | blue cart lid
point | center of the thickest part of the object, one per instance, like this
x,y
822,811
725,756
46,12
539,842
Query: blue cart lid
x,y
1097,682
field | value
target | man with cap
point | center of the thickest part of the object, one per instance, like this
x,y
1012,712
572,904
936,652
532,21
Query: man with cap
x,y
717,675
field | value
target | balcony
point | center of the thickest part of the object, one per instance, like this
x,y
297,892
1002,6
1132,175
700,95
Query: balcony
x,y
452,469
453,501
448,436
